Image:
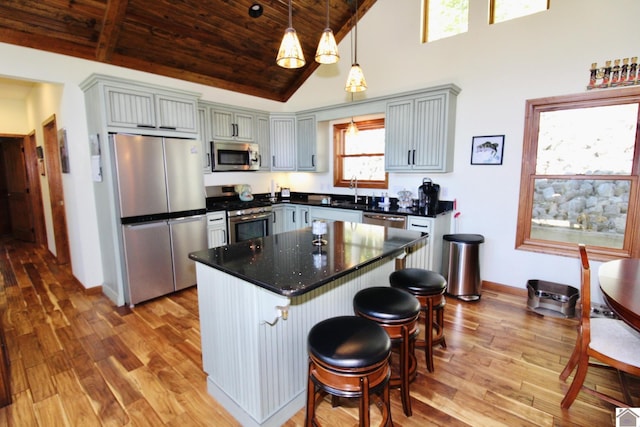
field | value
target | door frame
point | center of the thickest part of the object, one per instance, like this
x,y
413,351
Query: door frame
x,y
56,192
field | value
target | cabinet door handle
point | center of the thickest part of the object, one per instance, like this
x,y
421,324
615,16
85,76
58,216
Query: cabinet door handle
x,y
146,126
168,127
274,217
293,216
224,236
208,159
273,161
409,157
414,157
419,225
313,160
306,217
260,160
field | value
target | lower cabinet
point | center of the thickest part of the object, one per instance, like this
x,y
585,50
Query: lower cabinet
x,y
284,218
430,256
217,229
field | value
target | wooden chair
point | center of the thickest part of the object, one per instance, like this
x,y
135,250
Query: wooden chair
x,y
611,342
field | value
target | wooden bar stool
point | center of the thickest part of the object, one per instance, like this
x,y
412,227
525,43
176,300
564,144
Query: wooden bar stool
x,y
349,357
429,287
397,311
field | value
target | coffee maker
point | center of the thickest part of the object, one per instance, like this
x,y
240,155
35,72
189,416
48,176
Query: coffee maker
x,y
429,196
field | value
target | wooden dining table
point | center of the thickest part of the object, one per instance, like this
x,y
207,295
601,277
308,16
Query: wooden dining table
x,y
620,285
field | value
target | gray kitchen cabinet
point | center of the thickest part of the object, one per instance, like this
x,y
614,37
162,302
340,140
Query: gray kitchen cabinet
x,y
430,256
217,228
306,142
263,139
334,214
232,125
284,218
132,106
283,142
204,133
303,216
419,132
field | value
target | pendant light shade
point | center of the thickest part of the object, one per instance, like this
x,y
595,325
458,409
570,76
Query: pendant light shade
x,y
352,129
327,52
290,53
355,79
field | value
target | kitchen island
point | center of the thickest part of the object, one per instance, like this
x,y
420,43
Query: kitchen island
x,y
258,299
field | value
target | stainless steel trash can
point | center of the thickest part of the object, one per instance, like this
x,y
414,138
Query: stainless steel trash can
x,y
461,265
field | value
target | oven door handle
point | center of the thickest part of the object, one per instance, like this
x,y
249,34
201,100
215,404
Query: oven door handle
x,y
250,217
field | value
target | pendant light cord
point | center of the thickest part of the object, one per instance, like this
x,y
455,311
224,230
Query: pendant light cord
x,y
355,53
290,14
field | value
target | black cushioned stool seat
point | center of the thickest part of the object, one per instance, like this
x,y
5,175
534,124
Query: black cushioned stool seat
x,y
349,357
397,311
429,287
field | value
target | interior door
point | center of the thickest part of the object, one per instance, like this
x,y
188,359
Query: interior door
x,y
17,186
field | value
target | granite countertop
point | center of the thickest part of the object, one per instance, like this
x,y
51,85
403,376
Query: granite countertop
x,y
289,264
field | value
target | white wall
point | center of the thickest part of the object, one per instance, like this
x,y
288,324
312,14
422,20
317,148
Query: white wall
x,y
497,67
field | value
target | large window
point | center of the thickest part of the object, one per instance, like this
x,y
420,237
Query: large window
x,y
360,156
444,18
579,184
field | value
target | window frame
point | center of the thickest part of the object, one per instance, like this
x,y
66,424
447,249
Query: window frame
x,y
631,245
339,131
424,37
492,12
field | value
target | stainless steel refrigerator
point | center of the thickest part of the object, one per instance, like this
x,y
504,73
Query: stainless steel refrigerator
x,y
162,211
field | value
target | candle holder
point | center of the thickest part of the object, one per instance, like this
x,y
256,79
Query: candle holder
x,y
319,229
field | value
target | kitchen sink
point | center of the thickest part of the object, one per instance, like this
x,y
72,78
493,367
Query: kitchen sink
x,y
348,204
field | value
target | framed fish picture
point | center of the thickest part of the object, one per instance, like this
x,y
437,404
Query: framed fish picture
x,y
487,150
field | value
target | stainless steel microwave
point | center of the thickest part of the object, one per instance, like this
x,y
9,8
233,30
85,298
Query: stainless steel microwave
x,y
234,156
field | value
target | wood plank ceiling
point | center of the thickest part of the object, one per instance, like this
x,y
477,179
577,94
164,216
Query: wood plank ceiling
x,y
212,42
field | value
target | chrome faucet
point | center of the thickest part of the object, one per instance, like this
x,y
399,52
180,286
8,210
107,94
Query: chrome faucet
x,y
353,184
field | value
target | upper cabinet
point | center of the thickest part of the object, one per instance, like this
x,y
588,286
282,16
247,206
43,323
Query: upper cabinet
x,y
232,125
307,145
129,106
263,139
283,142
419,132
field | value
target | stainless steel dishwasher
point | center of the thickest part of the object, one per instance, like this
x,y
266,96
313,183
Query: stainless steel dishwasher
x,y
388,220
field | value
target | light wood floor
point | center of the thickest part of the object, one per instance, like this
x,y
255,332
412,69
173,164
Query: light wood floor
x,y
77,360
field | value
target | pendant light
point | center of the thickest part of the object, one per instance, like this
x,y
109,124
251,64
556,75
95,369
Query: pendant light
x,y
327,52
290,54
352,129
355,80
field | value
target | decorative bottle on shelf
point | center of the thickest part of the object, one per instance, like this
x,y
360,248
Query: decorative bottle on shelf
x,y
615,73
633,71
624,71
593,75
606,75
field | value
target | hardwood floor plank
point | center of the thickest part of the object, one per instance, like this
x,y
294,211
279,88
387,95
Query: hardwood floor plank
x,y
74,400
40,382
161,400
103,401
49,412
116,377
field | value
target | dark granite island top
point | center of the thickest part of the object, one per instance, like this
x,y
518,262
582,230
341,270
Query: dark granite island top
x,y
289,264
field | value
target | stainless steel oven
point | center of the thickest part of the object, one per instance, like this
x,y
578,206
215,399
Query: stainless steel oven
x,y
250,223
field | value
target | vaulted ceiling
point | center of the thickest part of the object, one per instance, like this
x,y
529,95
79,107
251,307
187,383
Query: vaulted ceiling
x,y
211,42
